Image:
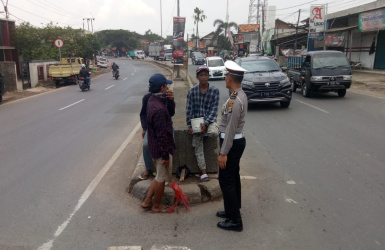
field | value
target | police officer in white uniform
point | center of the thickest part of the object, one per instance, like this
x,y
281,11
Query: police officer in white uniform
x,y
233,143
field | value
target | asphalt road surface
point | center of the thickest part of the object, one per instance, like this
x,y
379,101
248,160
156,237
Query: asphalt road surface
x,y
313,174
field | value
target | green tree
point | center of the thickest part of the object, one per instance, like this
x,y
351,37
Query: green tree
x,y
121,39
38,43
151,37
198,16
221,33
222,27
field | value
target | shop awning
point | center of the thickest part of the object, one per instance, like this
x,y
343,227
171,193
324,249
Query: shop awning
x,y
340,29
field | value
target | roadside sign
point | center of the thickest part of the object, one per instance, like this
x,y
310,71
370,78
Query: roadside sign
x,y
59,43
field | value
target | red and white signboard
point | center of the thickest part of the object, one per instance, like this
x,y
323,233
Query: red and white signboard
x,y
317,21
59,43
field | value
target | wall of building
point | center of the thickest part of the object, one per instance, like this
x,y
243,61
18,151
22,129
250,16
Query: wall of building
x,y
8,69
360,48
33,71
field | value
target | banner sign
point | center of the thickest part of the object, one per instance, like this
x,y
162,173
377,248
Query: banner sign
x,y
178,36
337,39
178,31
317,21
371,20
240,38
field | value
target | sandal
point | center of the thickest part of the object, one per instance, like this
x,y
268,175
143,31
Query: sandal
x,y
162,209
204,178
144,175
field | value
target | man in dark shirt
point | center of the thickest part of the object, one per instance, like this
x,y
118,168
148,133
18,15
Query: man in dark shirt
x,y
160,141
143,120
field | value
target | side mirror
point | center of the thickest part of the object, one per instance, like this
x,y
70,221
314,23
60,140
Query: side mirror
x,y
284,68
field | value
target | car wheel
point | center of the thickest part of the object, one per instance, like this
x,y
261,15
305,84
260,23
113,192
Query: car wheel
x,y
306,89
341,92
293,85
285,104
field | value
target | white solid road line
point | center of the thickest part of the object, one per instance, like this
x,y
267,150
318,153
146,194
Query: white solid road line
x,y
248,178
125,78
109,87
91,187
72,104
313,106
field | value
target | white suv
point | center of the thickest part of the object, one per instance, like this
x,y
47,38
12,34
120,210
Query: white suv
x,y
216,66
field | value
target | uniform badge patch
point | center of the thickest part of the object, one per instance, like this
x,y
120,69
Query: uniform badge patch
x,y
230,106
233,95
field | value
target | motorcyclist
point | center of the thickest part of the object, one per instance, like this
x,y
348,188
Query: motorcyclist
x,y
85,74
115,68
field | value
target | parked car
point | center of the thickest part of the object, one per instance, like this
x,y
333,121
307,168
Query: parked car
x,y
102,62
264,81
198,59
216,66
320,71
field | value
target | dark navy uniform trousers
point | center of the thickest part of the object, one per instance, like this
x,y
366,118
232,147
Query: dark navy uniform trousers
x,y
230,181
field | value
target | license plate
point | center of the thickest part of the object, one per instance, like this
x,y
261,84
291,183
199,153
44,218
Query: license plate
x,y
217,74
268,94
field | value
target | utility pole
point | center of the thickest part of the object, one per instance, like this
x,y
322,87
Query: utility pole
x,y
161,25
88,23
177,71
296,31
5,9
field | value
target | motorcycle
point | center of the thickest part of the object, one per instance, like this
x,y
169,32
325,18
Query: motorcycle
x,y
84,83
116,74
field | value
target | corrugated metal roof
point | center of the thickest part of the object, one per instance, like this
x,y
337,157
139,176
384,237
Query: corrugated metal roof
x,y
248,27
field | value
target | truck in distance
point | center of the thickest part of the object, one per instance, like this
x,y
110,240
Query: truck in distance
x,y
67,71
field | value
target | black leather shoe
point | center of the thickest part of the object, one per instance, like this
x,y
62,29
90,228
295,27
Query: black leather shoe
x,y
221,214
231,225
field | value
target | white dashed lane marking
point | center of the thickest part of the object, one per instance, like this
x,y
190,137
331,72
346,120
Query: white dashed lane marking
x,y
109,87
72,104
313,106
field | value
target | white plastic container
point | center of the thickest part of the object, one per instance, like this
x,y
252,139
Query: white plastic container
x,y
196,124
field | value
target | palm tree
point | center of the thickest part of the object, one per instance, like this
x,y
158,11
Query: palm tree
x,y
222,27
198,17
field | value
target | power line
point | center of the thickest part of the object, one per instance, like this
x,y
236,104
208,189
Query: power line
x,y
37,15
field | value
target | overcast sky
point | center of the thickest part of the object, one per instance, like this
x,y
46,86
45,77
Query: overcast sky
x,y
142,15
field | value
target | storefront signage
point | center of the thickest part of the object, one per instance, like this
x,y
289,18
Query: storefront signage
x,y
372,20
317,21
337,39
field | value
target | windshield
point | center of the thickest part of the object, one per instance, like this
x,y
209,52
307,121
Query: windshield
x,y
215,63
168,51
260,66
198,56
332,61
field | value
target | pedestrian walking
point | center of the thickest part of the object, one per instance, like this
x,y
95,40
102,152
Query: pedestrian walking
x,y
202,102
160,141
170,103
232,145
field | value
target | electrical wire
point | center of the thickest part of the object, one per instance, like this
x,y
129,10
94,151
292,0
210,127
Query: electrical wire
x,y
37,15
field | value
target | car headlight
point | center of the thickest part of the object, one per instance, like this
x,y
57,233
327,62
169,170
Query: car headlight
x,y
316,78
248,84
284,82
347,78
